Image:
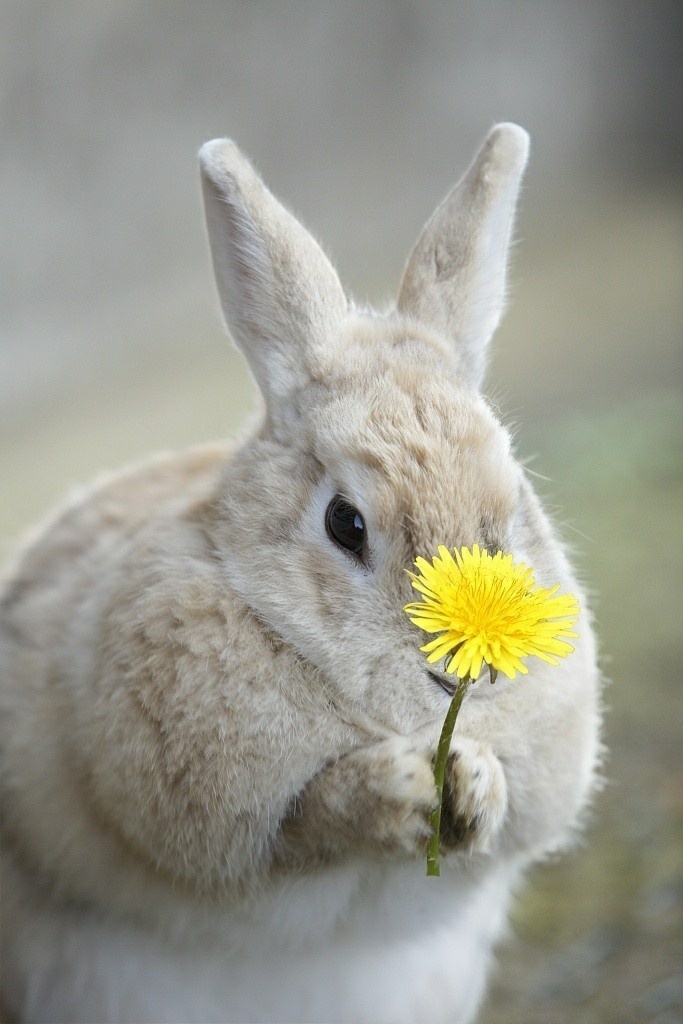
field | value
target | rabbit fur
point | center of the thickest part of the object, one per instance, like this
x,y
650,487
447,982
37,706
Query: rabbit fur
x,y
216,723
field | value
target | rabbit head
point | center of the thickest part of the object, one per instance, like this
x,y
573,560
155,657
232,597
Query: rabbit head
x,y
376,445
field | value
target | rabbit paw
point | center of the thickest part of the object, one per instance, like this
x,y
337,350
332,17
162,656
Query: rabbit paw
x,y
401,791
476,797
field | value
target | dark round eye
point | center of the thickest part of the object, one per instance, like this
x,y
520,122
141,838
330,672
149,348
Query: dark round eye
x,y
345,525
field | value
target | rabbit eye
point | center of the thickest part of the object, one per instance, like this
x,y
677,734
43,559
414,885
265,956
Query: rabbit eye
x,y
345,525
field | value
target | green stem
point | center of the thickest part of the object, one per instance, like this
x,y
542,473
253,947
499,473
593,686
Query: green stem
x,y
442,752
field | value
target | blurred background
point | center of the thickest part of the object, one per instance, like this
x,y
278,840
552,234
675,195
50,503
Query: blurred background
x,y
361,116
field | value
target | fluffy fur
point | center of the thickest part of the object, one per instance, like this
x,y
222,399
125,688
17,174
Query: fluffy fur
x,y
217,725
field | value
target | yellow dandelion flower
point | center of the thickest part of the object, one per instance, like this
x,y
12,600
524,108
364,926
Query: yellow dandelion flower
x,y
488,610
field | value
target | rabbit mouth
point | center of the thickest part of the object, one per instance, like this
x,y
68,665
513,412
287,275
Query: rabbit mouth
x,y
444,682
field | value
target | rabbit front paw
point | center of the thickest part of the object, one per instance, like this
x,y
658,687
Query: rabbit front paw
x,y
401,791
475,799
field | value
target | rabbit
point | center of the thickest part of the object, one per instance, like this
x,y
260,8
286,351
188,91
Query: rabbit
x,y
217,725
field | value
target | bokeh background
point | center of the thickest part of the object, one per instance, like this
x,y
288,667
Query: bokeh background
x,y
360,116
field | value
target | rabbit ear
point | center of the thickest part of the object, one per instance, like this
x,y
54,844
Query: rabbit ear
x,y
454,280
280,295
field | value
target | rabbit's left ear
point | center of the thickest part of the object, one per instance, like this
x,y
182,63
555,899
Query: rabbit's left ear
x,y
281,297
454,280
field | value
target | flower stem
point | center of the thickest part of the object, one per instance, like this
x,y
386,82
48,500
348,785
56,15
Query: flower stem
x,y
442,752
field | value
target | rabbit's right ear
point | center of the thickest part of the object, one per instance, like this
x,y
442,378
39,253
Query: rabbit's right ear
x,y
281,297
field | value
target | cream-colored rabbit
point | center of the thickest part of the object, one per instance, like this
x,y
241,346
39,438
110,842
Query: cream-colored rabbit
x,y
217,725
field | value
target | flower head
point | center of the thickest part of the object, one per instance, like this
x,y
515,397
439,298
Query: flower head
x,y
487,609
